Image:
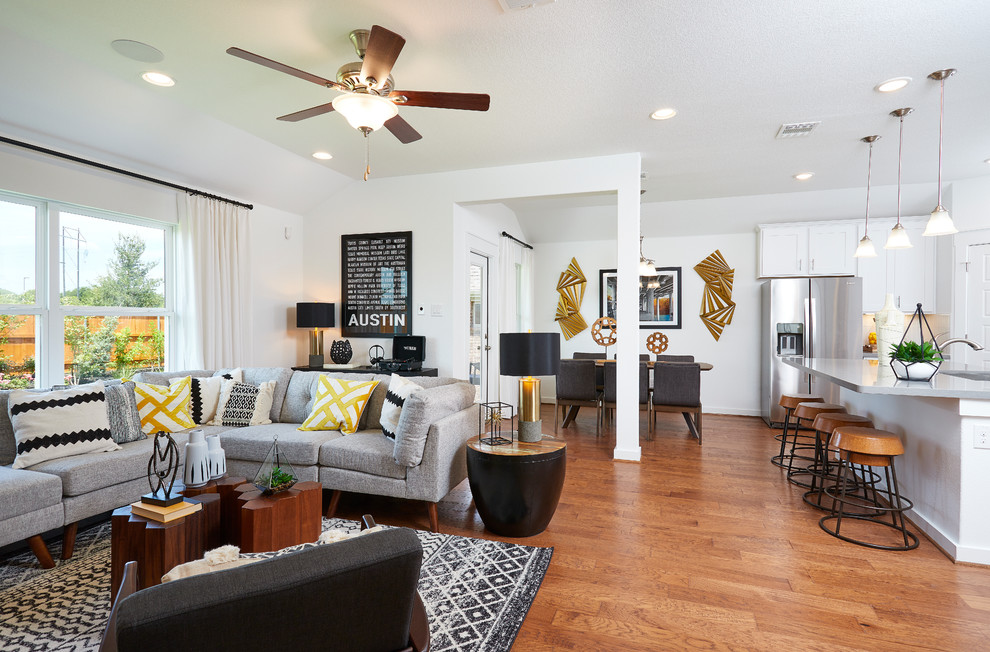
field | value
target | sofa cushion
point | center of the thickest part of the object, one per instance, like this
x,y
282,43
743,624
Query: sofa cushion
x,y
23,491
420,411
300,395
300,447
164,408
244,404
81,474
339,404
367,452
258,375
163,377
399,389
125,422
60,423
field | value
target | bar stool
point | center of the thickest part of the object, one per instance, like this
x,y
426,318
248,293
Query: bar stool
x,y
821,470
873,448
789,402
806,411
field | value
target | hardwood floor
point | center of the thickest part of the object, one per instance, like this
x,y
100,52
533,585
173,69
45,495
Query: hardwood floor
x,y
710,548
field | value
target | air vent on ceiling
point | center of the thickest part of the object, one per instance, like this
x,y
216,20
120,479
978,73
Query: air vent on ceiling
x,y
796,129
512,5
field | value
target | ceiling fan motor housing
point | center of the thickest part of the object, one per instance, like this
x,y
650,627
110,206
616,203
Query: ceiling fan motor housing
x,y
349,75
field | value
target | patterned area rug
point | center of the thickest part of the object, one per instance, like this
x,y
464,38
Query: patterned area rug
x,y
476,592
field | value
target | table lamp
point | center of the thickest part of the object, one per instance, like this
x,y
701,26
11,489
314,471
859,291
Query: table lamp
x,y
527,355
316,316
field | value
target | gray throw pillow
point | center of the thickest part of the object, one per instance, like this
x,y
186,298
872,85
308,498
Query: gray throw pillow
x,y
421,410
125,422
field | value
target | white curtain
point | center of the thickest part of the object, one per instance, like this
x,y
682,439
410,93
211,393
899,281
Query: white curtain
x,y
213,302
515,302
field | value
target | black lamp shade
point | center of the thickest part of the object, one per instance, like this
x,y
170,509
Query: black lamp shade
x,y
529,354
314,315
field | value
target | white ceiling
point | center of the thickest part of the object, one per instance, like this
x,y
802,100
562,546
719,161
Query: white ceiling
x,y
573,78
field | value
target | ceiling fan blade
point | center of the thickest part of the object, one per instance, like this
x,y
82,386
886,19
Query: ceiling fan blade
x,y
465,101
281,67
307,113
402,130
383,49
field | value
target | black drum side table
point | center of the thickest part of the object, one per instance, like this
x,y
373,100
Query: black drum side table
x,y
516,486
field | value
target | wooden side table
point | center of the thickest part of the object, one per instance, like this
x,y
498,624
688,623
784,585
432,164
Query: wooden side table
x,y
287,518
516,486
225,528
158,547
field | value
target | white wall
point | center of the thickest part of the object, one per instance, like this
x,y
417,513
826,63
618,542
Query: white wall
x,y
732,387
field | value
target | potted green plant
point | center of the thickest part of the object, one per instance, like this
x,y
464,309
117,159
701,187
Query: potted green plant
x,y
913,361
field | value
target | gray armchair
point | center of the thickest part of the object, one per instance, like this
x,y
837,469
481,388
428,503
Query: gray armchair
x,y
677,388
609,394
576,388
357,594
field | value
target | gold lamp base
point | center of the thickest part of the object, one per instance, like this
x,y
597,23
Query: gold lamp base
x,y
530,423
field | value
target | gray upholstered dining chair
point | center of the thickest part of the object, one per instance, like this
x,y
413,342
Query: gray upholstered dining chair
x,y
609,393
576,388
599,371
661,357
677,388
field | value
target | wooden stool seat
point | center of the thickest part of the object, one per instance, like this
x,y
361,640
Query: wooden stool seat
x,y
867,441
829,421
808,410
790,401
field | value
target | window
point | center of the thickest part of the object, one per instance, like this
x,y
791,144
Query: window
x,y
102,306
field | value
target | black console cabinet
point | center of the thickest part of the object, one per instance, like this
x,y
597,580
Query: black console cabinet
x,y
367,369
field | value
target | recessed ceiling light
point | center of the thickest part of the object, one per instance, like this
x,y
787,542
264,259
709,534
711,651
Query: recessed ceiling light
x,y
158,79
323,156
804,176
894,84
663,114
987,161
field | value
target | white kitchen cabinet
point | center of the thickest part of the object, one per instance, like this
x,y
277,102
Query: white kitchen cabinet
x,y
816,249
907,274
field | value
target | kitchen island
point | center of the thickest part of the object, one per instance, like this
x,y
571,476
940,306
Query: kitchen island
x,y
942,470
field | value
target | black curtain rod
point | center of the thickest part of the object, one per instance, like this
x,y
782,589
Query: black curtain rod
x,y
126,173
525,244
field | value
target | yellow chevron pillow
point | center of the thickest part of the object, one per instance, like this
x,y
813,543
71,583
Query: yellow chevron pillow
x,y
164,408
338,404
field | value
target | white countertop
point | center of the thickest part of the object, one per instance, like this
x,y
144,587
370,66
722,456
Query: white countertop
x,y
868,377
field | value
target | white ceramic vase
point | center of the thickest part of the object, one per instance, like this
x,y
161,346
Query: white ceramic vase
x,y
197,469
890,329
218,459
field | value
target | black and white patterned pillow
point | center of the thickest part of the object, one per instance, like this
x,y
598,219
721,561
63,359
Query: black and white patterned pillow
x,y
49,425
122,412
242,404
204,395
399,389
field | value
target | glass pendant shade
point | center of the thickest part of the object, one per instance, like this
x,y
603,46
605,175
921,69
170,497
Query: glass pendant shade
x,y
898,238
365,111
647,267
940,223
865,248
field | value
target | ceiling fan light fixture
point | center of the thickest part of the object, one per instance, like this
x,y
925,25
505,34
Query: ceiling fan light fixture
x,y
158,79
365,110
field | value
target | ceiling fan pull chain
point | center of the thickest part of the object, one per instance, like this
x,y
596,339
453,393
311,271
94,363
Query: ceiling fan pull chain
x,y
367,156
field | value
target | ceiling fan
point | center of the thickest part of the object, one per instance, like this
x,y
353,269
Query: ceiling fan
x,y
369,100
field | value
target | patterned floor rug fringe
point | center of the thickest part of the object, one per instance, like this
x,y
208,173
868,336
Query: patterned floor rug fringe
x,y
477,593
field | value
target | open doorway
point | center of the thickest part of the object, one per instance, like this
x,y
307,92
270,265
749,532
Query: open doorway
x,y
478,344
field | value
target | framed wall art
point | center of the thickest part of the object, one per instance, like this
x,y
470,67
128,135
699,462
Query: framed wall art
x,y
659,297
376,284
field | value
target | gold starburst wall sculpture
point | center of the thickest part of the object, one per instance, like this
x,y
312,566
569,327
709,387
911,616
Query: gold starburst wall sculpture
x,y
717,305
571,289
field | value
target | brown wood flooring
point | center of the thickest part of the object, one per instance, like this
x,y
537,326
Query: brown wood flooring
x,y
710,548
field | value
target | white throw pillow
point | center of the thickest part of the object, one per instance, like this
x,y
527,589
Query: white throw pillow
x,y
399,389
205,395
242,404
61,423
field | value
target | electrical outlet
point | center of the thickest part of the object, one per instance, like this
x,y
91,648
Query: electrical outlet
x,y
436,310
981,437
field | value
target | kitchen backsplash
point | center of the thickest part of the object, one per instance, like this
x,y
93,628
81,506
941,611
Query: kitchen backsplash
x,y
940,324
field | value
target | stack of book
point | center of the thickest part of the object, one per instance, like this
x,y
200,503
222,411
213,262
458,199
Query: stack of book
x,y
164,514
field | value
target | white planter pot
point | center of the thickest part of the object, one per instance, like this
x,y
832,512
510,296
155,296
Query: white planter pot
x,y
197,469
914,370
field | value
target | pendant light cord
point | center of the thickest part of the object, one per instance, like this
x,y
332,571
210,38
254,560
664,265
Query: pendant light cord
x,y
941,112
869,175
900,149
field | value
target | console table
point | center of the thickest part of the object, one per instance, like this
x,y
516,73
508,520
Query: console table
x,y
368,369
516,486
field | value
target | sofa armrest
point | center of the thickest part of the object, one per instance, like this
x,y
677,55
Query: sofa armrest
x,y
444,463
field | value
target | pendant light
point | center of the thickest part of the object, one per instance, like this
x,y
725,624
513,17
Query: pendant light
x,y
646,265
866,248
940,223
898,238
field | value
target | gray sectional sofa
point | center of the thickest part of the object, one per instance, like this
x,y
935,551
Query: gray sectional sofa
x,y
63,491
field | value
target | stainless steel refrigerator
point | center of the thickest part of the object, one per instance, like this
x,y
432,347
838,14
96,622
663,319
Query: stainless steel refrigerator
x,y
818,317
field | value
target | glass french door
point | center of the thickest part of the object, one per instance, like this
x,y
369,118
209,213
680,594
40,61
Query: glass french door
x,y
478,344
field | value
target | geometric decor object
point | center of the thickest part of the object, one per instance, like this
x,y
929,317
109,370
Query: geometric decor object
x,y
162,469
600,338
717,306
927,356
571,289
657,343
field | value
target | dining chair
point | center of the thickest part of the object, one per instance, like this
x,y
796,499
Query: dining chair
x,y
576,388
677,388
609,394
643,357
599,371
674,358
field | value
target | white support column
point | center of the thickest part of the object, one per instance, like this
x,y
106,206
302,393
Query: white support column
x,y
627,315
